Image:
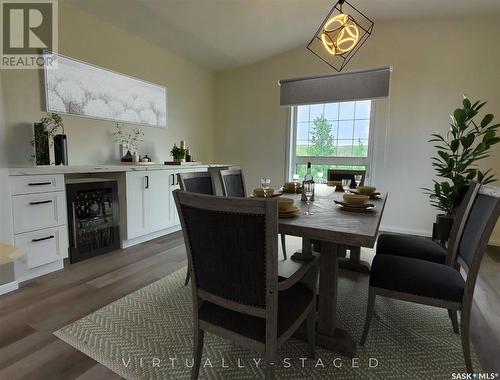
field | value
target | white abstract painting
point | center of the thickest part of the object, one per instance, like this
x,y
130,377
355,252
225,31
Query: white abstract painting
x,y
81,89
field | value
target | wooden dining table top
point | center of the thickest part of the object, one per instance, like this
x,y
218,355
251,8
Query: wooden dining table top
x,y
330,223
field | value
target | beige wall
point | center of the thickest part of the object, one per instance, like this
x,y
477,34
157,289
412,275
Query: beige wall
x,y
435,62
82,36
3,131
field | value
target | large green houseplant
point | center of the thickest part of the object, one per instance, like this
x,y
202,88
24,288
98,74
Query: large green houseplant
x,y
458,151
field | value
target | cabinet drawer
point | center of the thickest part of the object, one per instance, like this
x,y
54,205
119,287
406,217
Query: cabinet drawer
x,y
36,211
43,246
32,184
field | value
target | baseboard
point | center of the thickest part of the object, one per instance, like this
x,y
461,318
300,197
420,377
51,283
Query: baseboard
x,y
26,274
406,231
154,235
9,287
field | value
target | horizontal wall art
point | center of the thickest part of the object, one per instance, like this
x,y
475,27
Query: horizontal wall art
x,y
81,89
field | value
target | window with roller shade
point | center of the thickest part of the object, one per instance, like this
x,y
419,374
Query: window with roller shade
x,y
331,136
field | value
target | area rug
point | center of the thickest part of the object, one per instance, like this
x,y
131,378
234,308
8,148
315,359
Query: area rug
x,y
148,335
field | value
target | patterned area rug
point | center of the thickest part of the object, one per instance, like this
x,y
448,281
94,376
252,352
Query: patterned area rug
x,y
147,335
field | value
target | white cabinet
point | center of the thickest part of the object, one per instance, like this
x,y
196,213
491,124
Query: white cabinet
x,y
149,202
160,196
137,205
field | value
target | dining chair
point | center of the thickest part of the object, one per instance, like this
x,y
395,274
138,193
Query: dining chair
x,y
339,175
233,185
196,182
237,294
435,284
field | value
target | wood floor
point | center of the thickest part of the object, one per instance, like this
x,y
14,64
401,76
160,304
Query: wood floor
x,y
29,316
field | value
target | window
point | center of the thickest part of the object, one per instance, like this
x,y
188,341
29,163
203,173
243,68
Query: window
x,y
330,136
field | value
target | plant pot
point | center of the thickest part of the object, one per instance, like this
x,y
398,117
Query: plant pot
x,y
443,225
60,150
179,160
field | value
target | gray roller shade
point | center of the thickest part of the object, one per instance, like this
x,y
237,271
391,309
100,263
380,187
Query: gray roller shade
x,y
341,87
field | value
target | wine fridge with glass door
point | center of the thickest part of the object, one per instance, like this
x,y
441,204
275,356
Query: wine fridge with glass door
x,y
92,217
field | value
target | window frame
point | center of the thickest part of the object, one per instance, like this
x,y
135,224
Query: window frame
x,y
292,159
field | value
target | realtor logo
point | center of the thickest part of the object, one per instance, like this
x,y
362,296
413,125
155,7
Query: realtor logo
x,y
28,28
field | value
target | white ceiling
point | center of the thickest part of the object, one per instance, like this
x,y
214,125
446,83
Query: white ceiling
x,y
221,34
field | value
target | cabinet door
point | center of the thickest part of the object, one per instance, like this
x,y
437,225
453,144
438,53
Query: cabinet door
x,y
173,209
138,221
160,195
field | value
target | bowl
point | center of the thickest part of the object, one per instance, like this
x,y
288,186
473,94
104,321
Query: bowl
x,y
356,199
259,192
334,183
285,203
366,189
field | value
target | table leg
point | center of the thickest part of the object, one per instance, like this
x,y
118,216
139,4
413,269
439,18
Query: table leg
x,y
328,335
354,261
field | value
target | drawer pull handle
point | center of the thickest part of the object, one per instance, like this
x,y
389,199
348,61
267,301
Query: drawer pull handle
x,y
40,202
41,239
39,183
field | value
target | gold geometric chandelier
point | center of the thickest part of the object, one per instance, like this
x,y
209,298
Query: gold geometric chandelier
x,y
340,35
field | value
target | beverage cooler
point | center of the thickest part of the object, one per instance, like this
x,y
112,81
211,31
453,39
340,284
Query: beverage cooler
x,y
92,217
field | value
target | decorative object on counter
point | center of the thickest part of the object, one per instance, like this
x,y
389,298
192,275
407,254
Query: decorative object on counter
x,y
128,139
182,163
466,142
179,153
41,144
45,136
146,159
188,155
79,88
135,157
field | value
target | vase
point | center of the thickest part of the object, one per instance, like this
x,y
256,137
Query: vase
x,y
60,150
41,145
127,157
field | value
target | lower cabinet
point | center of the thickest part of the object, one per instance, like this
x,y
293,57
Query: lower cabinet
x,y
149,202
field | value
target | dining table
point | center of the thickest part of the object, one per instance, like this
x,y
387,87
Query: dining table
x,y
336,229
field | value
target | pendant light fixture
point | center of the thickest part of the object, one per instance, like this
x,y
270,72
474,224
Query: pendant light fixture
x,y
340,35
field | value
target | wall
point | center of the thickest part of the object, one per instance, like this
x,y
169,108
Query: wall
x,y
435,62
83,36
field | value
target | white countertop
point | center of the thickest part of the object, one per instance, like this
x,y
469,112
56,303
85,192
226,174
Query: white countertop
x,y
61,169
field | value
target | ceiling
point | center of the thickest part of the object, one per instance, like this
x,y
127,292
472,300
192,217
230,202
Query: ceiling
x,y
221,34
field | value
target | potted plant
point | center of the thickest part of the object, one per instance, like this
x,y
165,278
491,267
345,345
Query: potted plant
x,y
45,135
458,152
178,153
128,140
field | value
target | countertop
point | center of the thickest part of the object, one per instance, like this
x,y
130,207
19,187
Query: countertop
x,y
61,169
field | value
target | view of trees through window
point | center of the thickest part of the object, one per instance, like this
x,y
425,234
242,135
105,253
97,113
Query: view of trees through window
x,y
331,130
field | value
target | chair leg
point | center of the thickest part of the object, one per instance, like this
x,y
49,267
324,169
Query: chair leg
x,y
311,333
369,313
465,335
188,276
198,351
454,320
283,245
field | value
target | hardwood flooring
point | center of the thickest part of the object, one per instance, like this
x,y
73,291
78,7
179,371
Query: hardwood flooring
x,y
29,316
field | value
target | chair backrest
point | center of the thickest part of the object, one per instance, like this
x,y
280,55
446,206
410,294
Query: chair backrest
x,y
338,175
459,222
477,231
232,249
197,182
233,183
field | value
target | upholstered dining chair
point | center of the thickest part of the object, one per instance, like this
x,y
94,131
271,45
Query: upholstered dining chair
x,y
233,185
237,294
426,249
195,182
435,284
339,175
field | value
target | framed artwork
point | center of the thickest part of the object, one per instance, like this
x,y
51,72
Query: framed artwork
x,y
78,88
